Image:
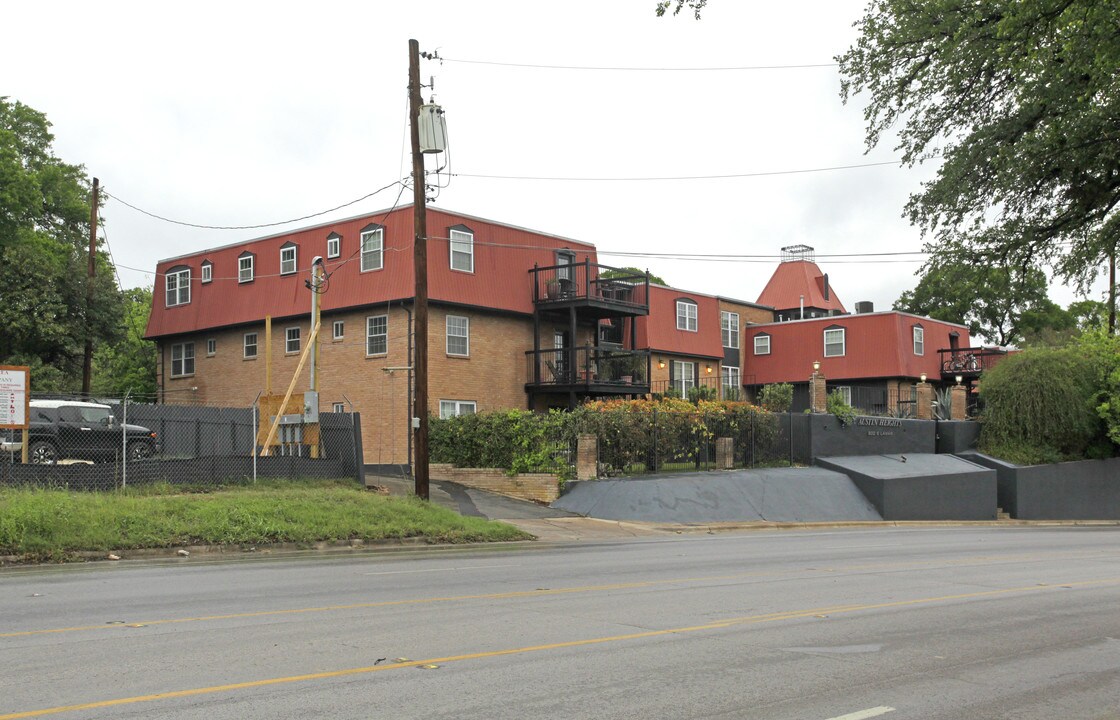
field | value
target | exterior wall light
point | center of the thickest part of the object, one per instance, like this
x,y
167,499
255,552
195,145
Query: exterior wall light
x,y
709,369
923,377
959,378
661,363
816,365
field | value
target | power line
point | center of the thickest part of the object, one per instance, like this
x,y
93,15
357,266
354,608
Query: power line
x,y
640,69
678,177
250,227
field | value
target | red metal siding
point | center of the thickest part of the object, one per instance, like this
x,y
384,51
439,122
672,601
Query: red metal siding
x,y
659,332
794,280
503,257
877,345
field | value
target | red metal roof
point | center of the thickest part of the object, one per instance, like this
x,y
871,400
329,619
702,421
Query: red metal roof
x,y
659,332
794,279
503,255
877,345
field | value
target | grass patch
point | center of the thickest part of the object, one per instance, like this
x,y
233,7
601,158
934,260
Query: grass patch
x,y
52,525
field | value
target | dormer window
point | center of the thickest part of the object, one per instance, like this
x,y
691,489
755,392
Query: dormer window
x,y
207,272
334,245
686,315
245,267
373,247
919,340
288,258
834,342
462,248
178,286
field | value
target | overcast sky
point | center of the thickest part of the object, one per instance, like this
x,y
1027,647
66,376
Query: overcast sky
x,y
241,113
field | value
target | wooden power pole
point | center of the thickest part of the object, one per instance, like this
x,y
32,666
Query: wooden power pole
x,y
420,268
87,362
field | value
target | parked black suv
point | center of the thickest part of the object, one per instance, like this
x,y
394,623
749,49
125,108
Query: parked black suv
x,y
60,429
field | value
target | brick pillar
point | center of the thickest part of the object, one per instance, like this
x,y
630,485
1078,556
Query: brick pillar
x,y
959,410
725,453
818,393
587,457
924,411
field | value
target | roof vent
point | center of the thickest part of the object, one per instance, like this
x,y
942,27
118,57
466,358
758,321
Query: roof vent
x,y
864,306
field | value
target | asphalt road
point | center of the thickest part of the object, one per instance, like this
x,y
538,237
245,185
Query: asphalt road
x,y
850,623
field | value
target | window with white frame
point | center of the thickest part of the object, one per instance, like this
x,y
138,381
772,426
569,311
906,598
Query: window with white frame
x,y
207,272
334,245
458,335
245,268
845,392
182,359
684,377
249,345
762,344
919,340
462,250
291,340
729,329
373,249
288,259
178,285
834,342
211,347
377,335
686,315
338,407
732,378
339,330
453,408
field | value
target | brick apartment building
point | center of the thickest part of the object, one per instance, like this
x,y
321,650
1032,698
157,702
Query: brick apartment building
x,y
517,319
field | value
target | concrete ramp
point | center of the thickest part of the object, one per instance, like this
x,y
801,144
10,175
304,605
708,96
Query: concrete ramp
x,y
775,495
921,486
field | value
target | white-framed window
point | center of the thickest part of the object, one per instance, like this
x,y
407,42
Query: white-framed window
x,y
245,269
845,392
377,335
761,344
462,250
211,347
288,260
373,249
207,272
729,329
334,245
291,340
686,315
834,342
732,381
249,346
338,407
458,335
684,377
919,340
338,330
178,285
453,408
182,359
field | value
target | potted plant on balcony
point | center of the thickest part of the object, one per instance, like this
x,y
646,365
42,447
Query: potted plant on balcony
x,y
552,288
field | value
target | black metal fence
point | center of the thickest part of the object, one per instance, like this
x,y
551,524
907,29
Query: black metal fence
x,y
102,444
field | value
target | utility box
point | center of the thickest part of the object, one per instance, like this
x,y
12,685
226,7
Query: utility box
x,y
311,406
433,129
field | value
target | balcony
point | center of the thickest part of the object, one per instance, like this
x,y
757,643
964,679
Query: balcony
x,y
708,388
968,362
583,286
588,371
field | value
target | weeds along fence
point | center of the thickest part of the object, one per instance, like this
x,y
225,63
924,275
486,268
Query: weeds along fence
x,y
633,438
106,443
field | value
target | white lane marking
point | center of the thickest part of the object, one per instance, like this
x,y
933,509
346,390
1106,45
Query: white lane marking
x,y
451,569
864,714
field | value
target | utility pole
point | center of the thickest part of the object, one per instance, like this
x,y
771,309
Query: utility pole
x,y
420,270
87,362
1112,291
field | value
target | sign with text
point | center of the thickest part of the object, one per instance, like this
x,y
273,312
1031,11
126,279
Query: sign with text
x,y
14,386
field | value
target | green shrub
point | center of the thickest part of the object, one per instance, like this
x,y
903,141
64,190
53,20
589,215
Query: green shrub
x,y
514,440
1043,399
777,398
838,406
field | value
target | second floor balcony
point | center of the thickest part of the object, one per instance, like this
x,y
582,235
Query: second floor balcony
x,y
968,362
601,290
589,370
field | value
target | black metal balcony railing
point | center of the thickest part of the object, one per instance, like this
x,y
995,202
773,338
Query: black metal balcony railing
x,y
586,281
589,366
708,388
969,362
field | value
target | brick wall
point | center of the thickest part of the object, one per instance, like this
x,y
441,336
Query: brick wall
x,y
538,487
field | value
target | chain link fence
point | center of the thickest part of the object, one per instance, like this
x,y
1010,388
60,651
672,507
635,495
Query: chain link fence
x,y
108,443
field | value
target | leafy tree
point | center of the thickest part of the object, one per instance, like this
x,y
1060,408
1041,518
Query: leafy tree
x,y
44,235
128,366
1020,100
991,301
627,271
677,5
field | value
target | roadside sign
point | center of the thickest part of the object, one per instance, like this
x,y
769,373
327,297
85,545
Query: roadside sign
x,y
14,396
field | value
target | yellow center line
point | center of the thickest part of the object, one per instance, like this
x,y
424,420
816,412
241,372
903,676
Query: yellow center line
x,y
717,625
823,567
